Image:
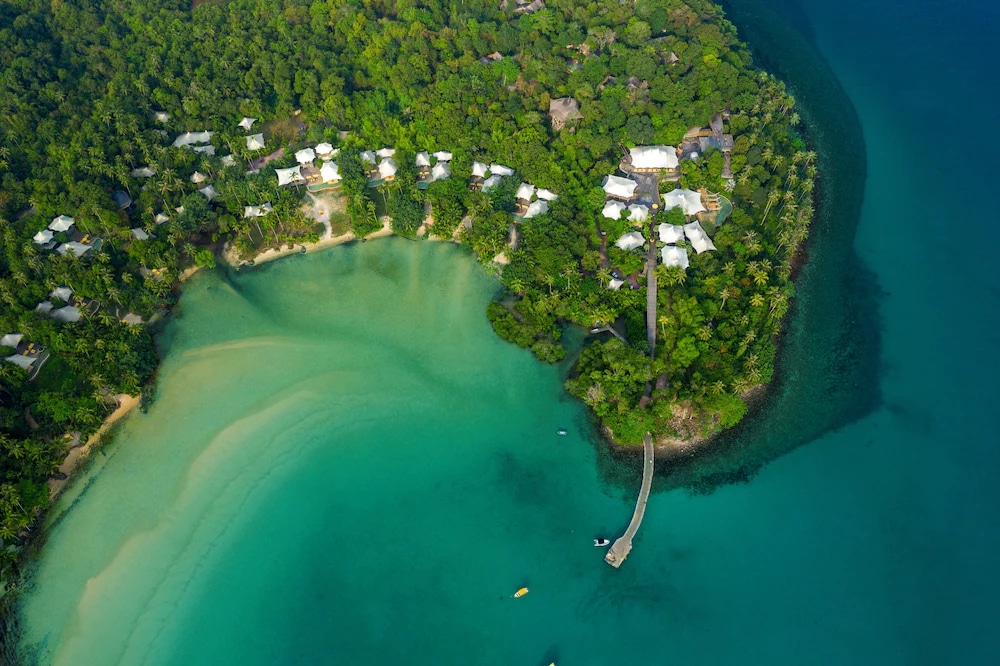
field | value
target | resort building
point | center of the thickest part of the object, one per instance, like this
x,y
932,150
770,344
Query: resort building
x,y
329,178
669,233
45,239
522,199
192,138
255,142
563,111
674,256
290,176
257,211
442,156
246,123
61,223
617,187
698,238
75,308
547,195
325,151
501,170
633,240
638,213
687,200
525,7
305,157
698,140
659,160
26,355
535,208
491,58
613,209
479,173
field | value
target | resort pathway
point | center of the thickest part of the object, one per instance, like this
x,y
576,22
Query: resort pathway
x,y
623,546
651,295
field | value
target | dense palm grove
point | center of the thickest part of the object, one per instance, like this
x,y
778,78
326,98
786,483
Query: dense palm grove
x,y
82,81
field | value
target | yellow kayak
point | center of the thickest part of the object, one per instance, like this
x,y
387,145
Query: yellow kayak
x,y
520,593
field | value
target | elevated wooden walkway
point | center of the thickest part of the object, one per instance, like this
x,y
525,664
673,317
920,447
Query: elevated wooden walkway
x,y
623,546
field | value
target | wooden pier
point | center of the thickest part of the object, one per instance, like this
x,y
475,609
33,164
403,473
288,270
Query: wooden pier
x,y
623,546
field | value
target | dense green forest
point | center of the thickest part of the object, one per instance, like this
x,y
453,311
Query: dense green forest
x,y
82,82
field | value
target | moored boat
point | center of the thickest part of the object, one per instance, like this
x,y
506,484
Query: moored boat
x,y
602,542
561,432
520,593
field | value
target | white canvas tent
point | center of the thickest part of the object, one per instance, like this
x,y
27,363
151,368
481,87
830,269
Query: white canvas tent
x,y
228,160
325,150
67,314
209,192
61,223
198,177
257,211
11,340
653,157
160,218
21,360
188,138
306,156
290,176
385,152
619,188
638,213
525,192
161,117
674,256
246,123
441,171
329,172
698,238
479,169
669,233
537,207
43,237
631,241
205,150
61,293
74,248
548,195
613,210
615,284
423,159
255,142
143,172
688,201
501,170
443,156
491,182
140,234
387,168
368,156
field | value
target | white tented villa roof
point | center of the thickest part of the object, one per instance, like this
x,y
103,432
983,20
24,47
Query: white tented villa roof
x,y
674,256
246,123
160,218
305,156
440,171
78,249
43,237
21,360
491,182
329,172
368,156
501,170
387,168
618,187
638,213
688,201
613,210
670,233
443,156
631,241
255,142
11,340
161,117
548,195
209,192
143,172
699,239
206,150
653,157
140,234
537,207
228,160
61,223
289,176
615,284
44,307
257,211
62,293
324,149
385,152
423,159
67,314
198,177
188,138
479,169
525,191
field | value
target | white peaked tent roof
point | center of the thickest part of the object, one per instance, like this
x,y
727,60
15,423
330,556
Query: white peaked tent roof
x,y
246,123
11,340
67,314
132,319
479,169
228,160
61,223
329,172
78,249
525,191
43,237
324,149
367,156
638,212
44,307
62,293
288,176
653,157
443,156
501,170
385,152
631,241
422,159
140,234
162,117
669,233
255,142
207,150
257,211
305,156
209,192
699,239
615,284
548,195
440,171
537,207
491,182
622,188
674,256
613,209
198,177
187,138
161,218
21,360
387,168
688,201
143,172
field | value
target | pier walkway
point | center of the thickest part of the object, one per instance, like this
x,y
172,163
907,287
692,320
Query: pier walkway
x,y
623,546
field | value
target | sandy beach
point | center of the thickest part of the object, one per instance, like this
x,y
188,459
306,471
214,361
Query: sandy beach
x,y
77,454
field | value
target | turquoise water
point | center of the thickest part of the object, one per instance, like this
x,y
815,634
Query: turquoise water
x,y
344,465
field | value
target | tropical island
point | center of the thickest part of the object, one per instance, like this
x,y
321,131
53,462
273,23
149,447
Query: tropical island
x,y
621,167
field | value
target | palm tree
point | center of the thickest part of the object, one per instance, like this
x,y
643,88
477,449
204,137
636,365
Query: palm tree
x,y
757,300
604,275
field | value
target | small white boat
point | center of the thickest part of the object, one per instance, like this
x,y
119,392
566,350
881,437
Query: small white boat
x,y
600,543
560,432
